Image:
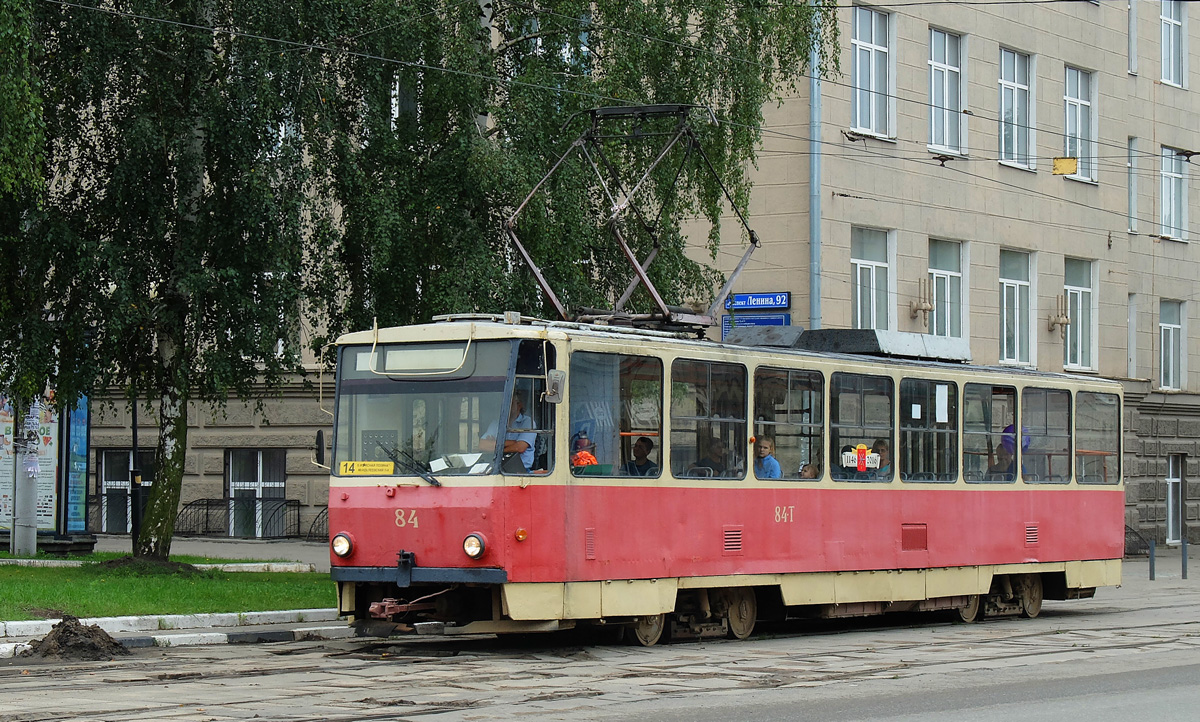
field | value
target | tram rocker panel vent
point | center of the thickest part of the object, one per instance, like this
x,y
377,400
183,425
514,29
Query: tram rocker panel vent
x,y
732,537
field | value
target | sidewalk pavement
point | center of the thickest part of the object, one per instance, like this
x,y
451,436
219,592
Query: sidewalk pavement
x,y
289,550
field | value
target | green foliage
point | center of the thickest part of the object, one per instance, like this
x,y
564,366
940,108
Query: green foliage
x,y
216,168
20,104
436,149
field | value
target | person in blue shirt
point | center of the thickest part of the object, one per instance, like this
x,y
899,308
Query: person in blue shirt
x,y
518,442
883,447
640,464
766,466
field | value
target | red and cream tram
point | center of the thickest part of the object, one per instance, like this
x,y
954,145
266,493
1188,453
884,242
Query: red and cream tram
x,y
718,484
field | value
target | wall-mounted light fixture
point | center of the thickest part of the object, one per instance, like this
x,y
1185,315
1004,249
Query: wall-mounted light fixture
x,y
1059,319
924,302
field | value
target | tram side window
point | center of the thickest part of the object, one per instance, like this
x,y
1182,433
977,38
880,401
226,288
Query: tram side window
x,y
989,444
860,427
928,430
616,414
1046,419
708,419
787,412
1097,438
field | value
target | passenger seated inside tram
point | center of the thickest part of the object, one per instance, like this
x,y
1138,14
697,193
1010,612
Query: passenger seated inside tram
x,y
1005,467
766,466
640,464
884,448
714,459
583,451
518,444
810,471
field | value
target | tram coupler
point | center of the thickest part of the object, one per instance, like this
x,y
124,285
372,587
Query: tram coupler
x,y
378,628
386,608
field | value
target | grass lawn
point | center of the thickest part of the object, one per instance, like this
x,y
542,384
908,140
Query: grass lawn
x,y
94,590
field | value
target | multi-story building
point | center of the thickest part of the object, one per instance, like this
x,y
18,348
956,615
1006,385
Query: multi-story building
x,y
919,192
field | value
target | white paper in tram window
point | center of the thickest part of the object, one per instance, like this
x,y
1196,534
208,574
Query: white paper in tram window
x,y
942,401
464,459
480,468
362,362
438,465
916,411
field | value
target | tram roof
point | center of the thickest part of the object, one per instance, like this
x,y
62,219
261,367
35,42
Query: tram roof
x,y
513,325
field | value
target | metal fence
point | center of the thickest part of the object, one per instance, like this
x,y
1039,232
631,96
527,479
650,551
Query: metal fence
x,y
244,518
1136,545
318,531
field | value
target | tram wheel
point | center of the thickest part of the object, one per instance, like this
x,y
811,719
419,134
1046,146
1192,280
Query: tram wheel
x,y
973,612
743,612
646,631
1031,595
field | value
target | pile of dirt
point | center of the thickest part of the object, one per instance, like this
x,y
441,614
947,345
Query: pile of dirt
x,y
72,641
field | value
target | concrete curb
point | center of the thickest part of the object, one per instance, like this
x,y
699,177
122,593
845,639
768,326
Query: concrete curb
x,y
194,639
151,623
243,567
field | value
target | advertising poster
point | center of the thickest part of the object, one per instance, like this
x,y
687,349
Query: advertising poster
x,y
7,427
41,463
77,464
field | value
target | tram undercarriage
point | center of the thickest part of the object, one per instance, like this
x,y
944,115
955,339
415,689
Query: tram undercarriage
x,y
695,612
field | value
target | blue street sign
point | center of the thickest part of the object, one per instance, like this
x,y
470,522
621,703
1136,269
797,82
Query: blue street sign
x,y
754,319
751,301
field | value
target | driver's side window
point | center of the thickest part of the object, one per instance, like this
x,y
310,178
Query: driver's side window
x,y
534,359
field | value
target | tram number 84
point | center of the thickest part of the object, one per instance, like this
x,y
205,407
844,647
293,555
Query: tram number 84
x,y
785,514
407,517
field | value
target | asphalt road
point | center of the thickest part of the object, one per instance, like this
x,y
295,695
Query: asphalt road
x,y
1131,653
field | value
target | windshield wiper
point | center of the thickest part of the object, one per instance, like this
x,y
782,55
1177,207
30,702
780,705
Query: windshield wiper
x,y
412,465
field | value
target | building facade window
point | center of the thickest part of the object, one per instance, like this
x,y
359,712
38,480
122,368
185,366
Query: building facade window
x,y
1131,44
1174,497
1131,182
1016,113
1131,338
945,91
1170,334
945,277
255,480
869,278
1173,52
1077,288
1079,133
1015,311
1173,208
871,105
116,501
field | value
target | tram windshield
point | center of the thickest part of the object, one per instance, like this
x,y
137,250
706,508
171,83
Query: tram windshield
x,y
413,409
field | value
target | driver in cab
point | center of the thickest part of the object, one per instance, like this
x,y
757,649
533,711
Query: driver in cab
x,y
517,443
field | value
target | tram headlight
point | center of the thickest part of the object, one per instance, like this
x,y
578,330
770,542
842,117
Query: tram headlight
x,y
342,544
473,545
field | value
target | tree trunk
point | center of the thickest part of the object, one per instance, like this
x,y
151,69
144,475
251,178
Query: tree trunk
x,y
158,525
